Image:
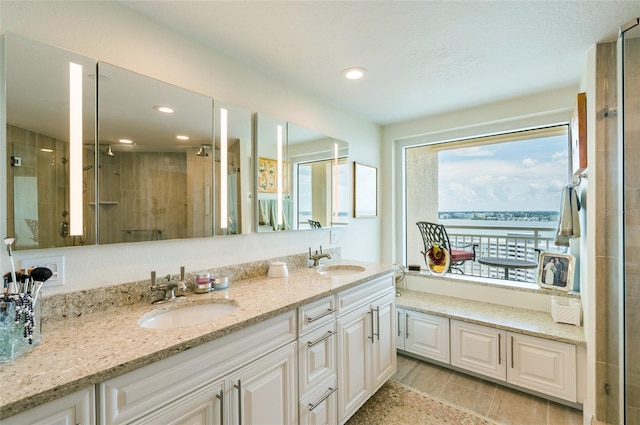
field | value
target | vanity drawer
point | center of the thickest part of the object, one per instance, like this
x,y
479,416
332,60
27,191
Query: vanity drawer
x,y
316,314
353,298
317,357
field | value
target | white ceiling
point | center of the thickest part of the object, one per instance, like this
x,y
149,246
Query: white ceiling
x,y
422,57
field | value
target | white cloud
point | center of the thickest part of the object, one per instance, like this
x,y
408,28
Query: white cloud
x,y
559,156
529,162
481,180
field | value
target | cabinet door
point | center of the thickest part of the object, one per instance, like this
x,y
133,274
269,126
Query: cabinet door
x,y
427,335
265,391
355,337
479,349
383,355
76,408
316,358
204,406
542,365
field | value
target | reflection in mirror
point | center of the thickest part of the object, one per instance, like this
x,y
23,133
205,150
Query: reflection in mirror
x,y
273,208
234,176
321,178
155,159
50,110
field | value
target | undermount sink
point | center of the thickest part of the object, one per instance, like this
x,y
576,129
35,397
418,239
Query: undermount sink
x,y
185,316
339,269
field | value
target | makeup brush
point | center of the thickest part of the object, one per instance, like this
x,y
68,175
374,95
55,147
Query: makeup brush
x,y
13,288
39,274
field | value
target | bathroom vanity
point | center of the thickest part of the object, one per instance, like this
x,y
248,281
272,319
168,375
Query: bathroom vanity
x,y
311,346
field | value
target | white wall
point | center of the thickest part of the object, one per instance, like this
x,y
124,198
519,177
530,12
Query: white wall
x,y
113,33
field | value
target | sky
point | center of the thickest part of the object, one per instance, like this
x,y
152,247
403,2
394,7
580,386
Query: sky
x,y
515,176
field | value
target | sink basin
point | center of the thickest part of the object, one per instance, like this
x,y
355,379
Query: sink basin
x,y
339,270
185,316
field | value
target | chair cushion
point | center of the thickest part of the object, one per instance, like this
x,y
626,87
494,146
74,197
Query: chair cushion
x,y
458,255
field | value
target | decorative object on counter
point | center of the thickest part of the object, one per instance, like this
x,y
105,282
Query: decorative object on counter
x,y
438,259
220,282
21,314
555,271
566,310
278,269
413,267
202,283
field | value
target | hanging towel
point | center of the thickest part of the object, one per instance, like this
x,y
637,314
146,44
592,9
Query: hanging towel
x,y
569,222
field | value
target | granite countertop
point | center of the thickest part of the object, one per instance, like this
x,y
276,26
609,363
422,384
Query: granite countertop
x,y
79,352
528,322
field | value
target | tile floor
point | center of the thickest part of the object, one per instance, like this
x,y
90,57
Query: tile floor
x,y
503,405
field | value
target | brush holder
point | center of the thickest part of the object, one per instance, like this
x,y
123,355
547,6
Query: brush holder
x,y
20,326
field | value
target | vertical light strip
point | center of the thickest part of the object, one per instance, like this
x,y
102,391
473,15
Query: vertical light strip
x,y
75,149
335,182
224,215
279,173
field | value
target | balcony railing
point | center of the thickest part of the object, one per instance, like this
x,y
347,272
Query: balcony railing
x,y
522,243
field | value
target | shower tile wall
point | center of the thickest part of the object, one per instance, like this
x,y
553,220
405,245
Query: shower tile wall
x,y
607,221
41,193
632,225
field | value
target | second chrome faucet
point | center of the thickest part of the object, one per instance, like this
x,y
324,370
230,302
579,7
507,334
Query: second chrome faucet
x,y
168,287
318,256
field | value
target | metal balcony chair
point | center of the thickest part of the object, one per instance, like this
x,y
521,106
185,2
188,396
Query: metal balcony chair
x,y
433,233
314,224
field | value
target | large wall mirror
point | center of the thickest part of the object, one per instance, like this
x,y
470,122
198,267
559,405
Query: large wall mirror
x,y
151,174
302,177
50,136
155,159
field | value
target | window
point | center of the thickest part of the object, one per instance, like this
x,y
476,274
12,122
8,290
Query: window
x,y
507,186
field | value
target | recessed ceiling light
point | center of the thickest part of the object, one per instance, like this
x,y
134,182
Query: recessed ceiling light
x,y
164,109
125,141
182,137
354,73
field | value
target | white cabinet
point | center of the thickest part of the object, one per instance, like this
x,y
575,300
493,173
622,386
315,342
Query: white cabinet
x,y
480,349
188,384
75,408
366,343
423,334
541,365
264,392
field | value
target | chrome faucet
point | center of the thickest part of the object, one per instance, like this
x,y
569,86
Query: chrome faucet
x,y
168,288
316,257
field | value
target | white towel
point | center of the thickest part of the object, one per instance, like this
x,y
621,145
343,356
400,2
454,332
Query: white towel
x,y
569,222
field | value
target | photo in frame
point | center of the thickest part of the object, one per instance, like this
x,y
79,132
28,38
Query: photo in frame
x,y
556,271
365,190
268,176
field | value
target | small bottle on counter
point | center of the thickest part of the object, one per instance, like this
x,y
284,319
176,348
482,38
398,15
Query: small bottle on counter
x,y
203,283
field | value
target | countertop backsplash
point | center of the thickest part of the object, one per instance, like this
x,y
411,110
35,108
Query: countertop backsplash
x,y
75,304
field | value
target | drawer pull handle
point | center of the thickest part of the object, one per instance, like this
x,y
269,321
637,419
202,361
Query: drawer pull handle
x,y
378,322
372,332
512,356
499,349
221,398
239,387
399,333
326,313
406,325
318,341
326,396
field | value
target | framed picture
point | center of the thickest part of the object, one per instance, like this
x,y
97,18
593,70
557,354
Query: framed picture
x,y
556,270
268,176
365,190
578,130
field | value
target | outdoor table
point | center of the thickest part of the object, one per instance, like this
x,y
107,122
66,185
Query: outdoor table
x,y
507,263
